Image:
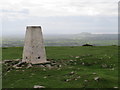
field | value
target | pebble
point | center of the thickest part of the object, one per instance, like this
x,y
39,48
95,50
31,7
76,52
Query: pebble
x,y
83,63
44,77
104,65
94,73
75,79
85,80
77,57
78,77
38,86
49,66
71,60
72,72
60,66
44,69
81,59
67,80
113,69
75,63
96,78
29,66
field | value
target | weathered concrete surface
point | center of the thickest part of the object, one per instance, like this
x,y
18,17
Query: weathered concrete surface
x,y
34,51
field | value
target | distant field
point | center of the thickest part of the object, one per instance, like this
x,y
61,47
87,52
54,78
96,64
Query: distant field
x,y
87,63
67,40
62,42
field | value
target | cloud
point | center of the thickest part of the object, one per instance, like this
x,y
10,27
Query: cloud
x,y
46,8
23,11
60,16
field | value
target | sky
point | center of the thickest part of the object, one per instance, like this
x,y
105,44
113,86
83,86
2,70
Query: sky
x,y
59,16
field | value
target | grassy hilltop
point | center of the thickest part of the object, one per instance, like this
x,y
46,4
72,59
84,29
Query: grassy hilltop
x,y
79,67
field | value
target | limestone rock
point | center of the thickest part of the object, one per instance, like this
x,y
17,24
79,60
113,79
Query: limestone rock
x,y
38,86
48,66
29,66
96,78
85,80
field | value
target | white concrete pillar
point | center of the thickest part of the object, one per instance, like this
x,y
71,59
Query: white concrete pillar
x,y
34,50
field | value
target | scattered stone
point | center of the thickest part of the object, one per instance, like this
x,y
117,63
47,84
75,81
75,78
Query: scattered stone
x,y
104,65
38,86
67,80
8,71
48,66
75,63
109,57
80,59
20,64
71,73
85,80
59,66
115,87
78,77
44,77
94,73
53,64
83,63
71,60
29,66
7,61
77,57
96,78
113,69
16,67
44,69
17,60
41,66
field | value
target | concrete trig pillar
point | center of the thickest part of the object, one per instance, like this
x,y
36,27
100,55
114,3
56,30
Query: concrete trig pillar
x,y
34,50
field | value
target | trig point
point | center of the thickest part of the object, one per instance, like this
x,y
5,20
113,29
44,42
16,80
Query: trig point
x,y
34,50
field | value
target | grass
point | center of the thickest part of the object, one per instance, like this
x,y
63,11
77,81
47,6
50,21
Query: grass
x,y
86,63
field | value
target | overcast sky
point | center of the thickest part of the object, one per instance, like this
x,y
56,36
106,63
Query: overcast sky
x,y
59,16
